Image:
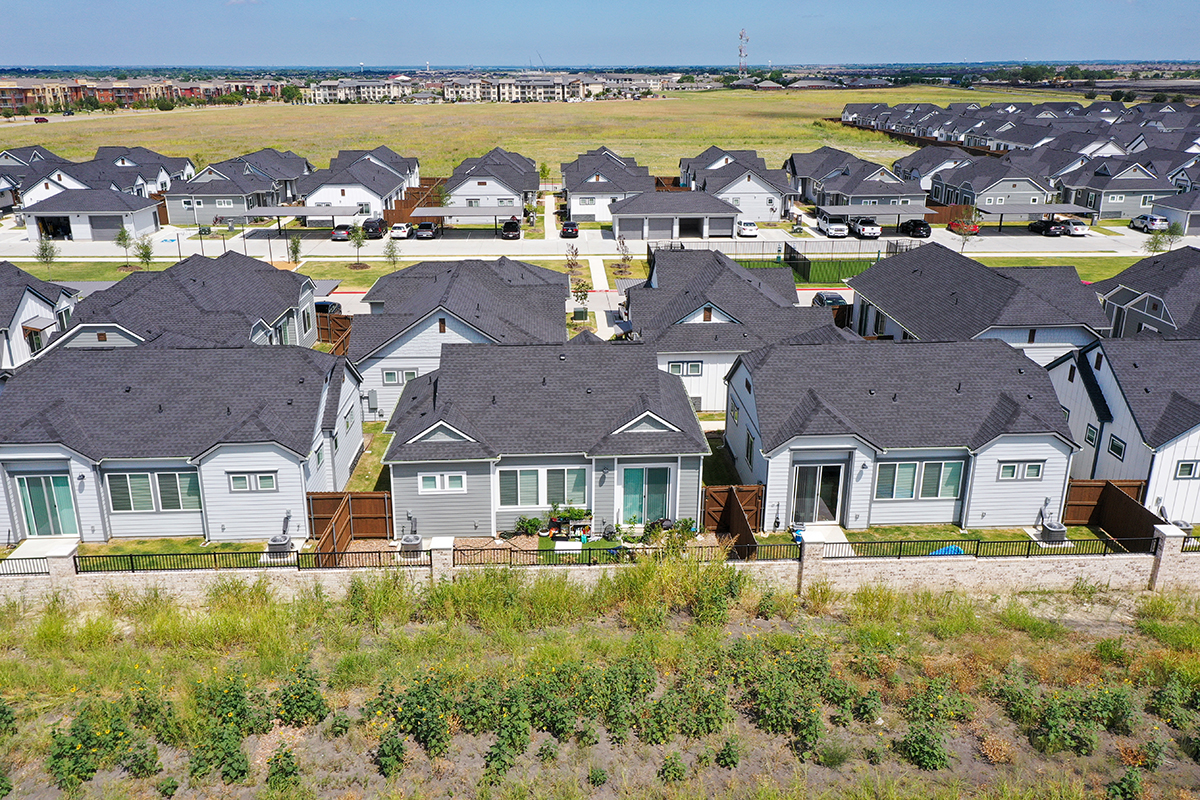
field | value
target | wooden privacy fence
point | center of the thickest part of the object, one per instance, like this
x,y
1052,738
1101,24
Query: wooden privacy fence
x,y
1084,496
335,328
1125,519
718,504
338,518
944,215
428,194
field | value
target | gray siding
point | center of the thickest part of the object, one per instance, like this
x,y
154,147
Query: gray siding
x,y
444,514
604,488
234,516
506,517
86,337
179,215
994,503
689,489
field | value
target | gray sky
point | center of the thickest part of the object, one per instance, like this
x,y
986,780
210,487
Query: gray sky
x,y
615,32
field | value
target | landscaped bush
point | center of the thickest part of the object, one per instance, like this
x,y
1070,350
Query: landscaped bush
x,y
672,769
389,756
512,736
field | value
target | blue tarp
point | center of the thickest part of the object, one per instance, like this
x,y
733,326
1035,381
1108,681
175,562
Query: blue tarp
x,y
952,550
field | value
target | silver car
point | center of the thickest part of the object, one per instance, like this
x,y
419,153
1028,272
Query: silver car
x,y
1149,222
1075,227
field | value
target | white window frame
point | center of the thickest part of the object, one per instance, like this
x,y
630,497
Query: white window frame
x,y
364,208
131,510
1192,468
1091,435
1021,470
1122,446
1147,200
587,201
690,369
941,465
395,377
349,417
198,203
506,202
442,482
158,476
223,203
472,202
1000,201
537,499
895,465
566,502
987,201
1116,198
254,481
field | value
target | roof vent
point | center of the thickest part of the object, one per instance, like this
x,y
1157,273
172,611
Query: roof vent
x,y
1021,370
228,411
958,389
1028,397
871,392
1146,390
127,388
160,408
543,380
289,401
493,399
302,380
562,356
589,391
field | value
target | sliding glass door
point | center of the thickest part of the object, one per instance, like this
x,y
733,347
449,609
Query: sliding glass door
x,y
48,505
818,493
646,494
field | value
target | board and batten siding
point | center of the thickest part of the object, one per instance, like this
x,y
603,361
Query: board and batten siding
x,y
349,436
604,491
755,199
995,503
1180,496
16,351
1048,343
308,305
234,516
150,524
690,501
1138,457
466,513
709,385
1072,395
488,192
87,336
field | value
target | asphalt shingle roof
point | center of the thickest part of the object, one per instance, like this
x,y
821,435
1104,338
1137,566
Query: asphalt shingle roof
x,y
544,399
13,283
1160,380
1174,276
902,394
90,201
517,172
619,174
672,203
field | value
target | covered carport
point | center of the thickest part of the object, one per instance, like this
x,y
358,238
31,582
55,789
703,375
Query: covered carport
x,y
1027,210
493,213
882,214
304,213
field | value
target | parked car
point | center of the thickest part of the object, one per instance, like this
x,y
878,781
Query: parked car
x,y
832,225
1048,227
341,233
327,307
1075,227
1149,222
402,230
40,119
828,300
68,113
746,227
916,228
963,225
865,227
570,229
428,230
374,228
510,230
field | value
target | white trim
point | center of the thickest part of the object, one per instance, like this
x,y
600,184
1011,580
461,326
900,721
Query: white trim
x,y
442,479
641,417
441,424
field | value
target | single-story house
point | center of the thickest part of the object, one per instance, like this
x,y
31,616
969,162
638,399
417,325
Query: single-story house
x,y
87,215
417,311
963,433
700,309
935,294
222,443
1134,405
1181,209
498,433
227,301
1160,293
673,215
225,190
599,178
498,179
31,311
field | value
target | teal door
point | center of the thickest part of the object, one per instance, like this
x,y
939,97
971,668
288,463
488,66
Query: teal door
x,y
646,493
48,505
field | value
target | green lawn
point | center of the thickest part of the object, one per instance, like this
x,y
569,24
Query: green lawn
x,y
1090,268
124,547
84,270
718,469
369,473
574,326
637,269
896,533
350,278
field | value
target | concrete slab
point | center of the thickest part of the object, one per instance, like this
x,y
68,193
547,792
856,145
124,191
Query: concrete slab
x,y
45,546
828,533
438,543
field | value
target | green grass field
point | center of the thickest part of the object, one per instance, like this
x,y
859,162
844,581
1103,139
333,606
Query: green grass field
x,y
1090,268
657,132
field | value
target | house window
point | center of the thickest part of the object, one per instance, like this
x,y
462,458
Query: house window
x,y
645,494
896,481
692,368
33,338
734,411
708,313
987,201
880,322
1071,374
1116,447
1116,198
1091,435
343,192
1186,470
1066,412
999,201
442,483
252,482
224,204
130,492
566,487
409,375
737,201
587,201
187,203
364,208
1099,359
319,453
441,324
1021,470
349,418
749,448
1032,334
518,487
306,320
178,491
505,202
1147,200
941,479
473,202
335,442
198,203
391,377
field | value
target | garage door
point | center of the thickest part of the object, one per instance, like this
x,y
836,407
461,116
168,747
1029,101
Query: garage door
x,y
629,227
720,226
104,229
661,227
1194,223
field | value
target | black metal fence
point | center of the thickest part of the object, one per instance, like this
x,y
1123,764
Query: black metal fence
x,y
24,566
618,554
247,559
978,548
1191,544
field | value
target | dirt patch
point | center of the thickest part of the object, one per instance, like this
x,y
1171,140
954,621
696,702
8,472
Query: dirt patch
x,y
358,265
129,268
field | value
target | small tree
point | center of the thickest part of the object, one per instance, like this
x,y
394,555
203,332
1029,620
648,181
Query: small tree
x,y
294,248
144,250
626,257
1161,97
1173,235
1155,243
544,172
7,113
391,253
124,240
579,290
1089,95
45,253
1117,96
358,237
965,228
573,261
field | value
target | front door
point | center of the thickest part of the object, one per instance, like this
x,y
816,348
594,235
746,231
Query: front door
x,y
818,493
48,505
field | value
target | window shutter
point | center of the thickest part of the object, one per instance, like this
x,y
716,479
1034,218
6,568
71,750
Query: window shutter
x,y
508,487
556,486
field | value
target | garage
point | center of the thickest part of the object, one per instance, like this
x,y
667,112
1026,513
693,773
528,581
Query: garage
x,y
86,215
104,228
673,215
1182,209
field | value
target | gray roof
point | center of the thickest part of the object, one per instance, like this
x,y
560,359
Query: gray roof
x,y
90,201
1160,380
1101,173
236,180
902,394
763,301
619,174
13,283
1173,276
672,204
276,164
100,174
30,153
376,178
205,301
510,301
156,402
1188,201
929,157
983,174
143,156
545,399
938,295
819,162
517,172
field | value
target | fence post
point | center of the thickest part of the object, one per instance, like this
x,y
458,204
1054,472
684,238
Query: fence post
x,y
441,561
62,569
811,562
1169,551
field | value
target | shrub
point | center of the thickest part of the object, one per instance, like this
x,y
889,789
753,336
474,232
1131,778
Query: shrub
x,y
924,746
597,777
298,701
586,735
843,715
339,725
1063,726
1127,787
167,787
220,749
729,755
869,706
1154,752
672,769
512,737
422,712
282,770
477,707
1170,701
833,754
389,756
1018,692
819,596
6,786
767,606
99,736
939,701
141,758
874,754
1112,651
226,702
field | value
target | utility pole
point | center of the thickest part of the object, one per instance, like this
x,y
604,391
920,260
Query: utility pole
x,y
743,40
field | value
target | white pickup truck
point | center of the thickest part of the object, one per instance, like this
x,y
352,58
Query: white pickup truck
x,y
832,225
865,227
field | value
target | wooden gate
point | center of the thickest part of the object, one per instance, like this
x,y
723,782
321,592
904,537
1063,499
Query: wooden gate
x,y
338,518
335,328
1084,496
944,215
718,498
162,208
428,194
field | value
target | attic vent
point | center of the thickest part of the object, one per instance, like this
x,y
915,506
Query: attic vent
x,y
562,356
871,392
1021,370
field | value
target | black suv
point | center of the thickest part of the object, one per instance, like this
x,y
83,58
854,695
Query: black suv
x,y
1048,227
570,229
916,228
511,230
375,228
